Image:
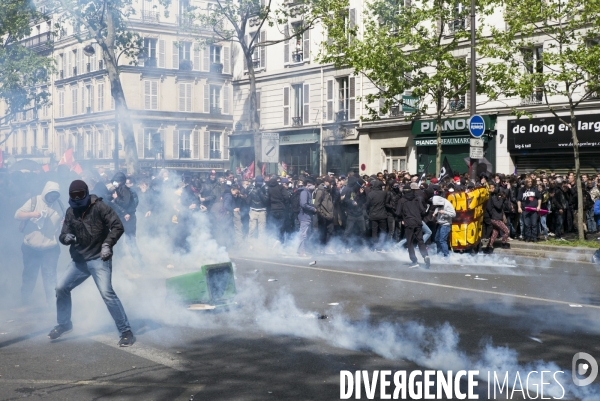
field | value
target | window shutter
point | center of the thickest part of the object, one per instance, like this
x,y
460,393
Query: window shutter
x,y
351,98
351,22
225,99
100,97
206,59
83,100
175,144
206,98
105,144
181,93
196,145
226,60
175,56
161,53
329,99
206,145
306,45
197,52
286,45
188,97
286,105
225,146
147,90
154,95
140,143
91,97
263,50
306,101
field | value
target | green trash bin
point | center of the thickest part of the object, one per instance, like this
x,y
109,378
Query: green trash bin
x,y
212,285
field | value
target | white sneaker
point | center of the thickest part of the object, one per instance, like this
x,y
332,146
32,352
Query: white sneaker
x,y
413,265
551,235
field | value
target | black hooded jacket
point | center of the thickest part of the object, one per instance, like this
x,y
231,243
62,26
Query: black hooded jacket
x,y
278,195
411,209
96,225
376,201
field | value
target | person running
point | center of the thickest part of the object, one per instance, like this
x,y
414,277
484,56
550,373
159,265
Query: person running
x,y
412,211
91,229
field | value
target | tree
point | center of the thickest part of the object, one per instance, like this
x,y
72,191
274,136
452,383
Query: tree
x,y
105,22
22,70
563,74
232,20
406,46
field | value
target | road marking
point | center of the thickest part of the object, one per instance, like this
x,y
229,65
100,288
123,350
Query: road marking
x,y
190,388
152,354
403,280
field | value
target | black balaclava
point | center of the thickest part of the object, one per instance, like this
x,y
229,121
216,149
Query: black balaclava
x,y
80,204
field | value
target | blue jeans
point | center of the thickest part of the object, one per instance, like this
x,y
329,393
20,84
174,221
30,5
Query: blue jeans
x,y
305,227
426,232
76,274
544,225
441,238
591,223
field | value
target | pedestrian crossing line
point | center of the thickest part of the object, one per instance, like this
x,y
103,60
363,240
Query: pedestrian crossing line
x,y
403,280
103,383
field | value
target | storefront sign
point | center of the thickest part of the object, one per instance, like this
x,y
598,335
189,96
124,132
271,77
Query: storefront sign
x,y
460,124
467,226
551,133
295,139
270,147
455,140
409,103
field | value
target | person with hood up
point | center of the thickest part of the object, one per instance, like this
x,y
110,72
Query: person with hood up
x,y
412,210
354,199
376,201
257,200
307,211
91,229
41,219
324,205
279,198
444,213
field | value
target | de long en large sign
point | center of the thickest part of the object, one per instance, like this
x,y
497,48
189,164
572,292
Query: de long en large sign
x,y
552,133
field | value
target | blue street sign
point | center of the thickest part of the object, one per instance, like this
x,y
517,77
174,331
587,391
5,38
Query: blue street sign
x,y
476,126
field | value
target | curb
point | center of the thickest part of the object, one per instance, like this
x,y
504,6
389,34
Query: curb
x,y
549,252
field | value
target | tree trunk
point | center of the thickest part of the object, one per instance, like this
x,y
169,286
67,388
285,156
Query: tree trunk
x,y
253,114
580,217
116,89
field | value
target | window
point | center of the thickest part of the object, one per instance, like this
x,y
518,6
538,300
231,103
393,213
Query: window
x,y
24,142
215,54
215,99
298,45
151,95
35,138
185,56
150,52
459,21
342,99
89,99
215,145
100,97
259,54
61,66
395,159
147,141
185,146
76,62
104,151
185,97
534,65
61,103
92,144
45,138
74,92
297,104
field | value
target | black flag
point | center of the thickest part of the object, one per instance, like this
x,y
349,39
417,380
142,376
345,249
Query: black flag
x,y
445,171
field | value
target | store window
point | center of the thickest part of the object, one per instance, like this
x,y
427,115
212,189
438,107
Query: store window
x,y
395,159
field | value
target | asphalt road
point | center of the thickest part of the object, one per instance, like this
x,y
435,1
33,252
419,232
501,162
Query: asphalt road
x,y
380,315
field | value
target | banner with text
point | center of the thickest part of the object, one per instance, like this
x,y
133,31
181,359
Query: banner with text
x,y
552,133
467,226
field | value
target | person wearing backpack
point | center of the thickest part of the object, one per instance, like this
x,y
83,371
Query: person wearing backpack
x,y
307,211
324,205
41,219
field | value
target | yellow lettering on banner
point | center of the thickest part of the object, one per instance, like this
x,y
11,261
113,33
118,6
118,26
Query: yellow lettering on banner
x,y
472,233
478,212
458,200
473,197
459,235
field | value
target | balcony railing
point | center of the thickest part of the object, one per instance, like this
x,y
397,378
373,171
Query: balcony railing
x,y
215,154
74,71
456,25
61,74
341,115
297,121
24,150
88,110
457,104
150,16
185,153
297,56
396,111
38,40
536,97
88,67
101,64
150,62
215,110
216,68
184,20
185,65
256,63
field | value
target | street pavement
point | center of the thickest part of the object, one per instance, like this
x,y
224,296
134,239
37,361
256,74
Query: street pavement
x,y
297,325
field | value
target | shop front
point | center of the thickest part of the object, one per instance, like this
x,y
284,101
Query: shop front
x,y
455,143
547,144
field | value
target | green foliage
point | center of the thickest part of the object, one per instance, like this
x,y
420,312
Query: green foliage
x,y
22,70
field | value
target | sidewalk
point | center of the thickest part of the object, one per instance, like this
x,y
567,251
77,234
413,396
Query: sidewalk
x,y
549,252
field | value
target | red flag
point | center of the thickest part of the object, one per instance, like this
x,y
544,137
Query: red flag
x,y
262,171
67,158
77,168
249,172
46,168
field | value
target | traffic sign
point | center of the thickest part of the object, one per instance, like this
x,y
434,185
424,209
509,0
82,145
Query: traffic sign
x,y
478,143
476,152
476,126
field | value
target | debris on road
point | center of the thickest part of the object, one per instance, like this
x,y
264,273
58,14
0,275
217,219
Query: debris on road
x,y
535,339
314,262
575,306
479,278
272,279
467,275
332,304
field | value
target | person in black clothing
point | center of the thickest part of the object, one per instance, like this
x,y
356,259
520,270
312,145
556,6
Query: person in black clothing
x,y
354,199
279,198
530,197
390,207
497,206
375,206
412,210
559,205
91,229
